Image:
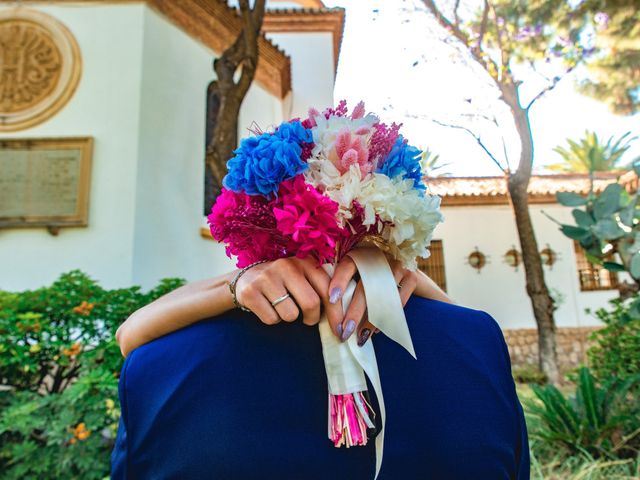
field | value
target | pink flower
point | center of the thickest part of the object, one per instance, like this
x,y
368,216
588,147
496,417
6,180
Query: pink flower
x,y
356,229
382,141
351,149
308,219
359,111
246,224
339,111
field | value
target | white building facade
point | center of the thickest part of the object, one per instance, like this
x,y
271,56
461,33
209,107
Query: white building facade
x,y
145,68
141,97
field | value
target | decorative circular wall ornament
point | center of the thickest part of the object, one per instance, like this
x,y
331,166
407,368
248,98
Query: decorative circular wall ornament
x,y
40,67
513,258
477,259
548,256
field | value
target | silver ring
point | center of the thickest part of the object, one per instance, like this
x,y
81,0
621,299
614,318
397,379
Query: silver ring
x,y
399,285
280,300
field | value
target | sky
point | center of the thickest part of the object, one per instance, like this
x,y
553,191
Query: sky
x,y
392,60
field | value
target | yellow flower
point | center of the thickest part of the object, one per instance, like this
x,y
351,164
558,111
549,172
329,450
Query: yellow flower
x,y
35,348
110,404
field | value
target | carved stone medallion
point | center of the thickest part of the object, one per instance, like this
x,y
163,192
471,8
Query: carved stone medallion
x,y
40,67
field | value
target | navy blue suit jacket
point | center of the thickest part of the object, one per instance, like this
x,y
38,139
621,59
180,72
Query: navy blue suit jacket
x,y
230,398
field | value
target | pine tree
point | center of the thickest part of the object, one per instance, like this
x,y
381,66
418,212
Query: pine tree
x,y
613,74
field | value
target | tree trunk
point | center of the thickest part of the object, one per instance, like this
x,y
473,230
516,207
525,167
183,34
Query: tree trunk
x,y
229,92
517,184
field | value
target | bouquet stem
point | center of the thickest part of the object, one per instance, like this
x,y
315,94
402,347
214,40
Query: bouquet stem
x,y
349,417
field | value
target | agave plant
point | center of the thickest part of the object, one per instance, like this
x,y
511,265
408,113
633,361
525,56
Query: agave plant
x,y
589,154
599,420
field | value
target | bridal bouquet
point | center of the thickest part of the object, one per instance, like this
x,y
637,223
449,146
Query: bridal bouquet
x,y
322,186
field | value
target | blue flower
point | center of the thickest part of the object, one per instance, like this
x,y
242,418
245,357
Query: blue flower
x,y
261,163
403,160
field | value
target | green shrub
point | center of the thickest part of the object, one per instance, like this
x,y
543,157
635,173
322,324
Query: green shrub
x,y
528,374
59,368
616,348
599,420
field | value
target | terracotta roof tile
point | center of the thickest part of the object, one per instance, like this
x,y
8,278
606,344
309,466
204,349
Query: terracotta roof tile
x,y
542,188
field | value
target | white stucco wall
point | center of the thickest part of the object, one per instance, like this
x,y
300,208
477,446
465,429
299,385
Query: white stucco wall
x,y
312,69
498,288
105,106
176,72
142,97
169,187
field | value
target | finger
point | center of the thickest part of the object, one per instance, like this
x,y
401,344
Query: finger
x,y
273,289
262,308
408,285
305,296
318,279
287,309
342,275
366,331
354,314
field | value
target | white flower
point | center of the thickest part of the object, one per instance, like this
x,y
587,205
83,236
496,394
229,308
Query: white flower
x,y
409,217
341,188
412,217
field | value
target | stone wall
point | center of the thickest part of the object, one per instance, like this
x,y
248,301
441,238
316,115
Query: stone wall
x,y
572,346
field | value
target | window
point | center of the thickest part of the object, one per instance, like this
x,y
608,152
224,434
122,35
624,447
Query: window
x,y
434,265
593,277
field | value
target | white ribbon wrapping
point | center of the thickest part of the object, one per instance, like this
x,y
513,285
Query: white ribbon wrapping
x,y
346,363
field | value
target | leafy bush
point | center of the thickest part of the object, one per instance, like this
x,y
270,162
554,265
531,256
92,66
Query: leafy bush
x,y
528,374
599,420
59,368
616,349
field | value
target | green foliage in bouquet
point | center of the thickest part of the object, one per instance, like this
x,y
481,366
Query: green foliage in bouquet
x,y
601,420
59,368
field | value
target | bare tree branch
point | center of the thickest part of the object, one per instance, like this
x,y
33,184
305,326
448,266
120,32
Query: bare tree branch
x,y
478,140
504,152
446,23
483,26
499,33
548,88
459,34
455,13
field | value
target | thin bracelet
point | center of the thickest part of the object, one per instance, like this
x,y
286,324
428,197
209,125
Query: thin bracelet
x,y
232,285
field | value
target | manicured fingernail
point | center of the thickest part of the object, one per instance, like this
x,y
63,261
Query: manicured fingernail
x,y
348,330
335,295
339,330
364,336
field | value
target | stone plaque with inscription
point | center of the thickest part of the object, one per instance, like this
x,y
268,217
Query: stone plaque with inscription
x,y
45,182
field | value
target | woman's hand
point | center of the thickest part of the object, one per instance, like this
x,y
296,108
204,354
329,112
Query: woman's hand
x,y
355,319
260,286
